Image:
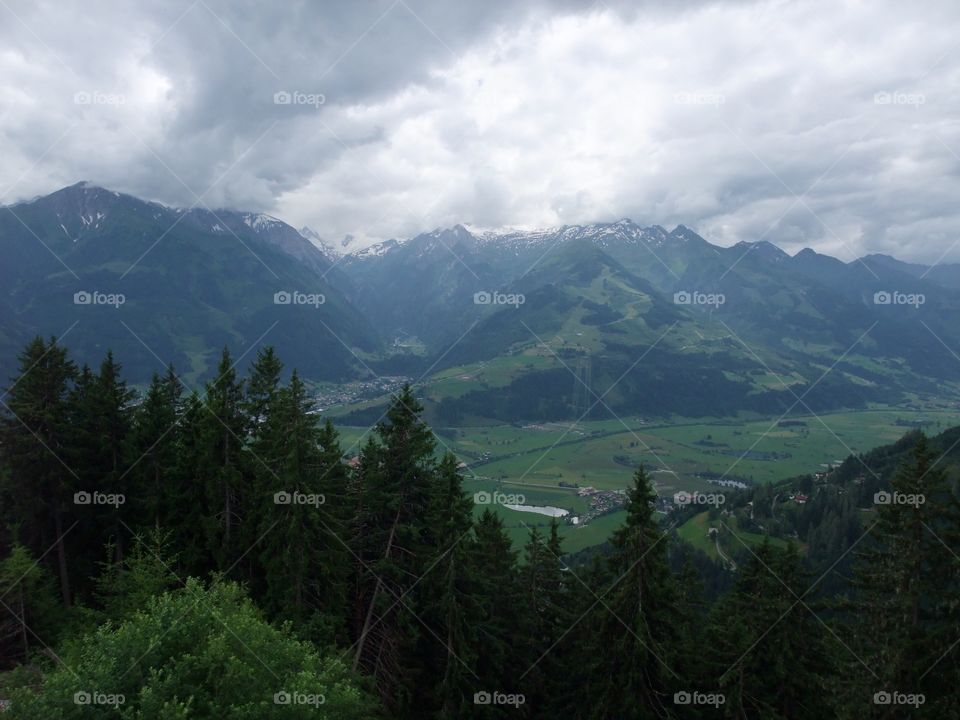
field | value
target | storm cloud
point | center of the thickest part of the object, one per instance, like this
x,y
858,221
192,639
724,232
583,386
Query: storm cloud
x,y
824,124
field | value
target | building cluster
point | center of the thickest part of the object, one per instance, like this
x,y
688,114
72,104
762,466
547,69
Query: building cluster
x,y
358,391
602,502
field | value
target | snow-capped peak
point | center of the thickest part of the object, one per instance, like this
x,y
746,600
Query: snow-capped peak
x,y
327,248
260,221
376,250
494,232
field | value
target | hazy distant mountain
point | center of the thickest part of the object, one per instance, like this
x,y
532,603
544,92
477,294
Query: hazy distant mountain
x,y
671,322
333,251
602,294
191,281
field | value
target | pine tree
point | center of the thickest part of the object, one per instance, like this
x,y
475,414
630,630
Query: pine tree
x,y
769,654
226,462
548,617
187,496
360,538
101,411
397,492
335,479
633,675
153,449
266,437
691,621
444,594
906,583
537,608
262,387
30,615
336,513
574,654
497,589
303,585
126,586
35,449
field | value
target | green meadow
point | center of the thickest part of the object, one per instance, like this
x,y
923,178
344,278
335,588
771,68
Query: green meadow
x,y
533,459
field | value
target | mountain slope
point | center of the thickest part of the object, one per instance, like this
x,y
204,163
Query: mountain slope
x,y
507,324
191,282
599,298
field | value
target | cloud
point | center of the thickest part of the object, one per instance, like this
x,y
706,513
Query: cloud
x,y
829,124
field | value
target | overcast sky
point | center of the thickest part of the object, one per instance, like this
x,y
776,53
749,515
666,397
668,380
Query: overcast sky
x,y
831,123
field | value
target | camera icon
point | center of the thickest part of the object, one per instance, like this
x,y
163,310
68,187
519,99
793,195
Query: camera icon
x,y
882,698
82,498
682,498
282,98
682,698
882,98
82,697
82,298
282,498
82,98
282,298
482,497
882,298
482,298
682,298
482,698
882,498
282,698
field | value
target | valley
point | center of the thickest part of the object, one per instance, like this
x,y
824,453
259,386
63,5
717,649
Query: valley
x,y
425,360
550,463
497,327
547,361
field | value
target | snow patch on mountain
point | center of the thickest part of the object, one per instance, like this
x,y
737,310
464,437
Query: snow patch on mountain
x,y
327,248
377,250
260,221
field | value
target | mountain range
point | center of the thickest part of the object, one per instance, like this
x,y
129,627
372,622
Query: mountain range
x,y
502,325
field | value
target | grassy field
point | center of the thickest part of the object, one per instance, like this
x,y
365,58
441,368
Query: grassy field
x,y
518,524
533,459
731,538
681,456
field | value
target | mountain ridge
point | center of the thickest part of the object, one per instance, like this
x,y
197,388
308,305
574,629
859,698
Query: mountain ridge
x,y
746,324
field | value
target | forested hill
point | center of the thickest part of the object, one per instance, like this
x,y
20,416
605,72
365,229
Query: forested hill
x,y
210,554
828,515
881,463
